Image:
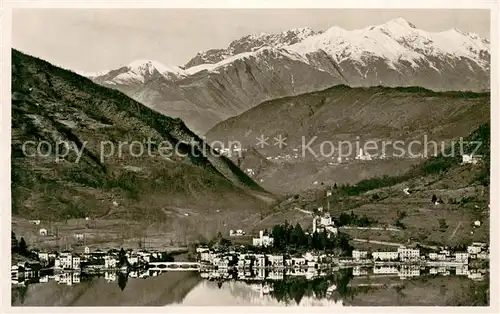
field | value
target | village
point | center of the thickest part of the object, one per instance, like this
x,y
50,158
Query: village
x,y
260,260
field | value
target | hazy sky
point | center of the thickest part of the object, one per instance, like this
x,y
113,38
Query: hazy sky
x,y
95,40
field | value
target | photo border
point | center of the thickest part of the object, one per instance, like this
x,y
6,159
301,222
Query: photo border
x,y
5,136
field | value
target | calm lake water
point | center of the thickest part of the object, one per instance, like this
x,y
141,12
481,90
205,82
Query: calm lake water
x,y
345,287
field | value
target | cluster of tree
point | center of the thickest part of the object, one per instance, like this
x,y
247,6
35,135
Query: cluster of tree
x,y
354,220
288,237
370,184
20,247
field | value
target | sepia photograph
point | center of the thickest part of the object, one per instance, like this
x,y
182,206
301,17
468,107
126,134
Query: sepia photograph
x,y
293,157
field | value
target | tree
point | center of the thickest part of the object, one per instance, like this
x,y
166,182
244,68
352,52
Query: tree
x,y
122,258
297,236
434,198
335,186
23,247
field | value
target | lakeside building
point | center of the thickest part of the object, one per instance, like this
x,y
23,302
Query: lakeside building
x,y
357,255
263,240
408,254
66,260
110,262
276,260
462,256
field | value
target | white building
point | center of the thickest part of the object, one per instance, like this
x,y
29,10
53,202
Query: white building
x,y
87,250
433,256
357,255
298,261
237,233
66,260
43,232
78,236
133,259
43,257
76,262
324,222
110,262
263,240
442,257
385,256
260,260
206,256
470,159
408,254
462,271
461,256
473,249
276,260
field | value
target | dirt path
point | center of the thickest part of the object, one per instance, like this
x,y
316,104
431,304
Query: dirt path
x,y
303,210
455,231
371,228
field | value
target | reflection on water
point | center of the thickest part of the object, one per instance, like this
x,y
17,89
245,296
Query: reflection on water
x,y
289,287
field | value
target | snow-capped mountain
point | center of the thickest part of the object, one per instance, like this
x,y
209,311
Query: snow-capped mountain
x,y
396,41
220,83
251,43
137,73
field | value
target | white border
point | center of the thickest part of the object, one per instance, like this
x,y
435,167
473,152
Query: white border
x,y
5,124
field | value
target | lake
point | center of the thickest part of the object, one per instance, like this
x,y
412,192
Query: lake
x,y
384,285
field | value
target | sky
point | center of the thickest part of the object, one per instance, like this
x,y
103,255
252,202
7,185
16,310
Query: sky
x,y
91,40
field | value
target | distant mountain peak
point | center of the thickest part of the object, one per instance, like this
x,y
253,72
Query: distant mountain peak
x,y
250,43
401,22
149,66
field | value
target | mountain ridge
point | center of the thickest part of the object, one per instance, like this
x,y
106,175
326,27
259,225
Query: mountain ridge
x,y
224,82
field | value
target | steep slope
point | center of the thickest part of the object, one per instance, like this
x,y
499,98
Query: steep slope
x,y
112,177
220,83
348,118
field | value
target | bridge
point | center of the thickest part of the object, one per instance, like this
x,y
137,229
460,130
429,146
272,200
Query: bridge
x,y
174,266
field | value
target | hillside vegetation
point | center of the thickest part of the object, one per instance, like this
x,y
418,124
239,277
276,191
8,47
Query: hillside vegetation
x,y
445,200
52,104
353,116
